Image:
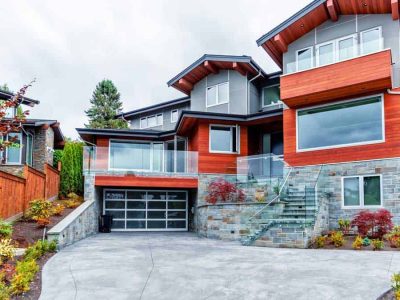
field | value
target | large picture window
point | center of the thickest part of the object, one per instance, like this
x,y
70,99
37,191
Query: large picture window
x,y
13,152
362,191
130,155
343,124
224,139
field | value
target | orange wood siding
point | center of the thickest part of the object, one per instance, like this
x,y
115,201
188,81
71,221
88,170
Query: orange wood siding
x,y
390,148
144,181
349,78
216,162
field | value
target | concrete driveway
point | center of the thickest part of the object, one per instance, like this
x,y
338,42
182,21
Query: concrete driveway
x,y
183,266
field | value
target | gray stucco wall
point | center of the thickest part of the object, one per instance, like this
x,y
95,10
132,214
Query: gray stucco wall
x,y
237,93
347,25
167,124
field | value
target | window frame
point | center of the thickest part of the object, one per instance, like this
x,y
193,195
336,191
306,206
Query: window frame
x,y
217,94
318,46
147,121
383,140
361,192
355,46
151,156
177,115
311,58
29,156
231,139
361,43
20,150
262,96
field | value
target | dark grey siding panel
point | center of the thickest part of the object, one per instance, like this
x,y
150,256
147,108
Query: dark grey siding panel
x,y
167,124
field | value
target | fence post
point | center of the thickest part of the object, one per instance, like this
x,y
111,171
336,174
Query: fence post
x,y
59,166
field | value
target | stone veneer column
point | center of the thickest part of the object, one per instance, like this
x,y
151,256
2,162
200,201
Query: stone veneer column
x,y
42,146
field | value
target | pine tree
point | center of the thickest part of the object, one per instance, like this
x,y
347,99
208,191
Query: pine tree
x,y
106,105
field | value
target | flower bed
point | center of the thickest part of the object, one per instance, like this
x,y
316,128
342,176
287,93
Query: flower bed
x,y
367,231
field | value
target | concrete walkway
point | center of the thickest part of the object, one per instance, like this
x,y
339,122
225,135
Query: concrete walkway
x,y
183,266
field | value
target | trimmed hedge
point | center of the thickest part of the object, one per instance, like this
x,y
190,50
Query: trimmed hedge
x,y
71,172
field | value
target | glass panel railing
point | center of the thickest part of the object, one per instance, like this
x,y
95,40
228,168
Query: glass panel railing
x,y
139,160
332,52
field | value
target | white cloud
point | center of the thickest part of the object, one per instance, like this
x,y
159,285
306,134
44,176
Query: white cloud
x,y
71,45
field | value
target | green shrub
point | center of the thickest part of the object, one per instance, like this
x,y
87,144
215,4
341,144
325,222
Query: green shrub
x,y
7,250
5,291
344,225
337,238
358,243
6,229
396,281
71,179
39,209
26,271
39,249
320,241
377,245
366,242
57,156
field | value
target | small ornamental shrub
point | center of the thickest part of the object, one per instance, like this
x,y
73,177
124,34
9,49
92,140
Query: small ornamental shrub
x,y
374,224
43,222
6,229
396,281
377,245
73,196
25,273
7,273
366,242
58,209
358,243
5,291
337,238
320,241
394,237
344,226
223,191
397,295
39,249
7,250
39,208
71,203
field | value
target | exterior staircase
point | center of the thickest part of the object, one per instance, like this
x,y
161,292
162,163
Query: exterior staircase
x,y
291,227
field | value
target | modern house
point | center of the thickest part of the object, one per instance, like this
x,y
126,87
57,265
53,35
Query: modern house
x,y
36,140
314,143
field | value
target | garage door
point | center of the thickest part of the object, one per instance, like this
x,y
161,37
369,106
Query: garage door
x,y
150,210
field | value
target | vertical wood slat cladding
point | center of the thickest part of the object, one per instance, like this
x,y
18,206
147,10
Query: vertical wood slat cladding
x,y
52,181
12,195
349,78
16,192
388,149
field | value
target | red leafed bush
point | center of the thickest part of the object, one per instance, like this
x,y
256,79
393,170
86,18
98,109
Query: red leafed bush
x,y
223,191
375,224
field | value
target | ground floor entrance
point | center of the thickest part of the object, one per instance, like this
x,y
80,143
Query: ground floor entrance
x,y
146,210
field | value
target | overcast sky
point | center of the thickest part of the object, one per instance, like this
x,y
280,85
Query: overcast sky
x,y
69,46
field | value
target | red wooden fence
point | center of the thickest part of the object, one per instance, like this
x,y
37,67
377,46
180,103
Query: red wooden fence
x,y
16,192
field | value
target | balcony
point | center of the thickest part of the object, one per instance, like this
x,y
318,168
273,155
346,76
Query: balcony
x,y
355,76
139,161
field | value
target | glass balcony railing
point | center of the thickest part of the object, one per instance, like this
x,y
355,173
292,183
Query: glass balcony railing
x,y
333,52
139,160
259,167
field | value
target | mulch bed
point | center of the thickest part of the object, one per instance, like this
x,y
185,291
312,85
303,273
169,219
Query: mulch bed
x,y
36,285
348,241
26,233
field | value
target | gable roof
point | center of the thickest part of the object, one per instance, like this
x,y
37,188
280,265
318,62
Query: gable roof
x,y
211,63
154,107
4,95
275,41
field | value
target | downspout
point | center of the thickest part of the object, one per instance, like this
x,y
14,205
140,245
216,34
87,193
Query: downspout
x,y
248,90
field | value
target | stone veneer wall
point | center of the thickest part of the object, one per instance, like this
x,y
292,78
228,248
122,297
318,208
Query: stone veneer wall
x,y
43,140
17,170
82,222
329,187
